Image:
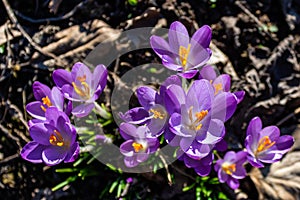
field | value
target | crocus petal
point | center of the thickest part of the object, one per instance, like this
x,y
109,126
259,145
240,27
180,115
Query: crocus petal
x,y
224,106
171,63
198,56
241,157
215,133
135,116
203,92
160,46
254,162
72,153
53,155
254,128
230,157
40,90
233,183
178,36
203,170
39,133
250,146
57,98
174,98
83,110
52,114
35,110
61,77
221,146
146,96
271,131
239,96
126,148
68,132
34,121
188,74
223,177
194,150
202,36
80,69
99,79
130,161
172,139
141,157
240,172
267,157
127,131
284,143
32,152
208,72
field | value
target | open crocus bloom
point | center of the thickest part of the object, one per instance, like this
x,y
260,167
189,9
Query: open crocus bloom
x,y
181,53
45,98
265,145
54,140
153,112
221,83
82,86
138,145
231,168
195,127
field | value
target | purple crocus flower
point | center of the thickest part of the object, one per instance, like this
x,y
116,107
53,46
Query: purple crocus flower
x,y
153,112
45,98
181,53
54,140
231,168
196,127
221,83
138,145
80,85
265,145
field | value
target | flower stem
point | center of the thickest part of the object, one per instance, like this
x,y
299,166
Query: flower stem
x,y
184,84
102,112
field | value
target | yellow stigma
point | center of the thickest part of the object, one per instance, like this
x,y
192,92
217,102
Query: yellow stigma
x,y
83,90
81,78
228,168
264,144
46,101
183,54
218,87
57,139
157,114
137,147
200,115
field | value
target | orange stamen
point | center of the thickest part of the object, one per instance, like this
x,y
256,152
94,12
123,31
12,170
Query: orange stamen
x,y
137,147
228,168
183,54
264,144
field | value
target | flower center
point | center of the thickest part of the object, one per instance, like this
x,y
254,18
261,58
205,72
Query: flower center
x,y
82,90
183,54
157,114
196,125
137,147
264,144
228,168
46,101
56,139
218,87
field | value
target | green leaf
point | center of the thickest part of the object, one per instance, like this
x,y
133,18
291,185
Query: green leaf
x,y
2,48
64,183
113,186
187,188
133,2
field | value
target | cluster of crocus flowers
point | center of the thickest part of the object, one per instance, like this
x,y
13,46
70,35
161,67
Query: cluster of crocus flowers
x,y
54,137
191,116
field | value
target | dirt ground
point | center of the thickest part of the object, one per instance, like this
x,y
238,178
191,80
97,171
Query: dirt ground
x,y
256,42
